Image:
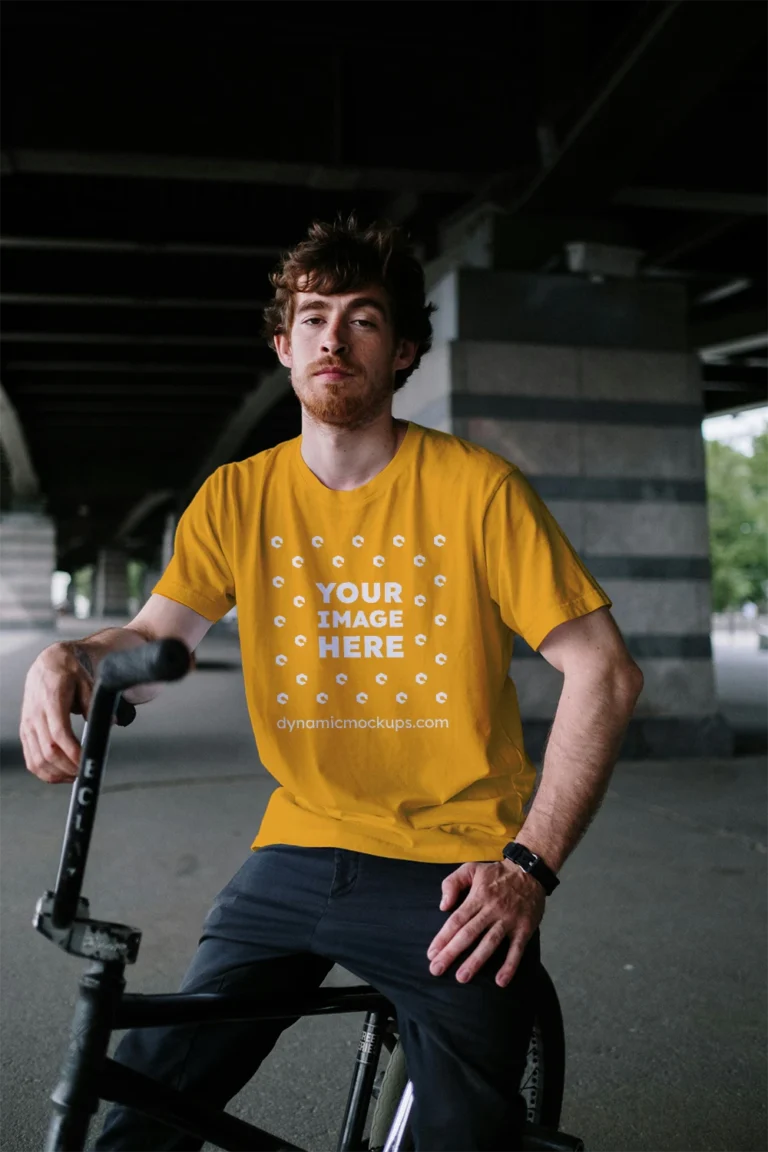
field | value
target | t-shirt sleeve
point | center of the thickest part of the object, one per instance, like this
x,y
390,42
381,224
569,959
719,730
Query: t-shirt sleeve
x,y
535,576
199,574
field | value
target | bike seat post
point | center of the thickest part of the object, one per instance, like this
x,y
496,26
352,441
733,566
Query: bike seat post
x,y
76,1096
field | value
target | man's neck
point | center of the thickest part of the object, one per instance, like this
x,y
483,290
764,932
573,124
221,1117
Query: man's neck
x,y
343,460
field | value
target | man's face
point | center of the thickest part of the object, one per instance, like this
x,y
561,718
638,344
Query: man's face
x,y
343,356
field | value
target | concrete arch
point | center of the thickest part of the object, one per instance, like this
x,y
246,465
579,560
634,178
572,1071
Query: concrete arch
x,y
5,480
24,483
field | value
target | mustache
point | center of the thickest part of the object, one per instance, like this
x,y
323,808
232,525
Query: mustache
x,y
329,366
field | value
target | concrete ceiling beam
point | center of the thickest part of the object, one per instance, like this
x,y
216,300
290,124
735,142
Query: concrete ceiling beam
x,y
71,300
138,247
279,173
682,200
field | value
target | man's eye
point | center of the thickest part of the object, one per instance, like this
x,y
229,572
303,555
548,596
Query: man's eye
x,y
311,319
367,323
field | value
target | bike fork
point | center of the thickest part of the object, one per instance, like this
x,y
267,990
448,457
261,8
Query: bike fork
x,y
76,1098
366,1062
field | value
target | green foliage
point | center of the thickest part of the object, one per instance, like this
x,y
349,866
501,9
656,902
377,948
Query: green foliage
x,y
738,523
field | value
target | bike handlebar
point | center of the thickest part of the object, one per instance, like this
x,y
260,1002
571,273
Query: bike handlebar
x,y
148,664
155,661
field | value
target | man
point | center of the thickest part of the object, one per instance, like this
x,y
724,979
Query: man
x,y
380,571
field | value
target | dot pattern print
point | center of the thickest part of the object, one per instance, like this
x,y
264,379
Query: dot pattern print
x,y
353,613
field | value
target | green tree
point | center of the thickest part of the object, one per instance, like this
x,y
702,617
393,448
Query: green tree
x,y
758,467
737,487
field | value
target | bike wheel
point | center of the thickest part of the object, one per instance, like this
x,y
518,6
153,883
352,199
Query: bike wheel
x,y
543,1079
541,1084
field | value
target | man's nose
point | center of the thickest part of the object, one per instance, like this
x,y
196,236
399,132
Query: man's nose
x,y
334,342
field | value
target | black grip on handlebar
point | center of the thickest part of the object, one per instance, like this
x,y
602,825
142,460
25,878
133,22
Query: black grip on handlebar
x,y
158,660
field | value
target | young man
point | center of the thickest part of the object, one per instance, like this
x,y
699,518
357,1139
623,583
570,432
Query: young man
x,y
381,571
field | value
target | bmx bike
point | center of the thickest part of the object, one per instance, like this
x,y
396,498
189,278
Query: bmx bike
x,y
88,1075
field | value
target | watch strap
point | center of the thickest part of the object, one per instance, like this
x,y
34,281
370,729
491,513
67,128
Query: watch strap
x,y
533,864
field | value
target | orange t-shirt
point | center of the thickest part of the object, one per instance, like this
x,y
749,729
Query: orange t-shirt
x,y
376,628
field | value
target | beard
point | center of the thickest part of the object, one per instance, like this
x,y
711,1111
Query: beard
x,y
351,403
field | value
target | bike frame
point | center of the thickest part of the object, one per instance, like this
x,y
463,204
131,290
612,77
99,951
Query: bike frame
x,y
89,1076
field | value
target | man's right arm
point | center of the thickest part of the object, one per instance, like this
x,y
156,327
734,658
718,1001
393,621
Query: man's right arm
x,y
60,683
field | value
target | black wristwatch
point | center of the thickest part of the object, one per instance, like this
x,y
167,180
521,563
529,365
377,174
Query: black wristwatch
x,y
530,862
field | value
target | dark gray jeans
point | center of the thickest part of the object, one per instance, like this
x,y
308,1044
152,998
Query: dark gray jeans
x,y
282,922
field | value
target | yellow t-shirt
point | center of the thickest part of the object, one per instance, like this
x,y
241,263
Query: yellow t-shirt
x,y
376,628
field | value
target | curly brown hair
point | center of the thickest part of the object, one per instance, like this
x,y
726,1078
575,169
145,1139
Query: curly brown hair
x,y
342,257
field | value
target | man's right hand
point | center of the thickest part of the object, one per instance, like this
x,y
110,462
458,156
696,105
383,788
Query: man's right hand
x,y
57,685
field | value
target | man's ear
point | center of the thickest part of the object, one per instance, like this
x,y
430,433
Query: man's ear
x,y
405,354
283,349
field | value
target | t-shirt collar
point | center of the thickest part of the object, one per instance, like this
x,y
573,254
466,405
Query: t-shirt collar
x,y
378,485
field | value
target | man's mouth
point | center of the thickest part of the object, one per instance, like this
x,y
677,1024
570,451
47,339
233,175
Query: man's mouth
x,y
333,373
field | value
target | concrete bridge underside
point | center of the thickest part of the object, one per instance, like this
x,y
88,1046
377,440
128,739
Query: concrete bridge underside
x,y
598,292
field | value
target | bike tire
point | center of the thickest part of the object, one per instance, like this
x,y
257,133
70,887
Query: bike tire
x,y
543,1080
391,1090
541,1084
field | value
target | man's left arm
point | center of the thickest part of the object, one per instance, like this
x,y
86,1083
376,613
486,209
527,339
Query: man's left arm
x,y
600,689
601,684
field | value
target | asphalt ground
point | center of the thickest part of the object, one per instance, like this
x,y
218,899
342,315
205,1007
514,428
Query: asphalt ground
x,y
656,938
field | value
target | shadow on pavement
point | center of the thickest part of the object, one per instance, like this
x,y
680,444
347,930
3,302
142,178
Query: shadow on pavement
x,y
750,741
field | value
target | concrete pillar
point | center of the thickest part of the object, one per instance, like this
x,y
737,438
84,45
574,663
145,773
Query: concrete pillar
x,y
70,603
169,536
587,385
110,584
27,563
151,577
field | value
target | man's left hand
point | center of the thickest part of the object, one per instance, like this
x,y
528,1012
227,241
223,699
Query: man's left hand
x,y
503,902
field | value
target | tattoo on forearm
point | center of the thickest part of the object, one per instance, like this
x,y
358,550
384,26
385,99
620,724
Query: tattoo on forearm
x,y
83,658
